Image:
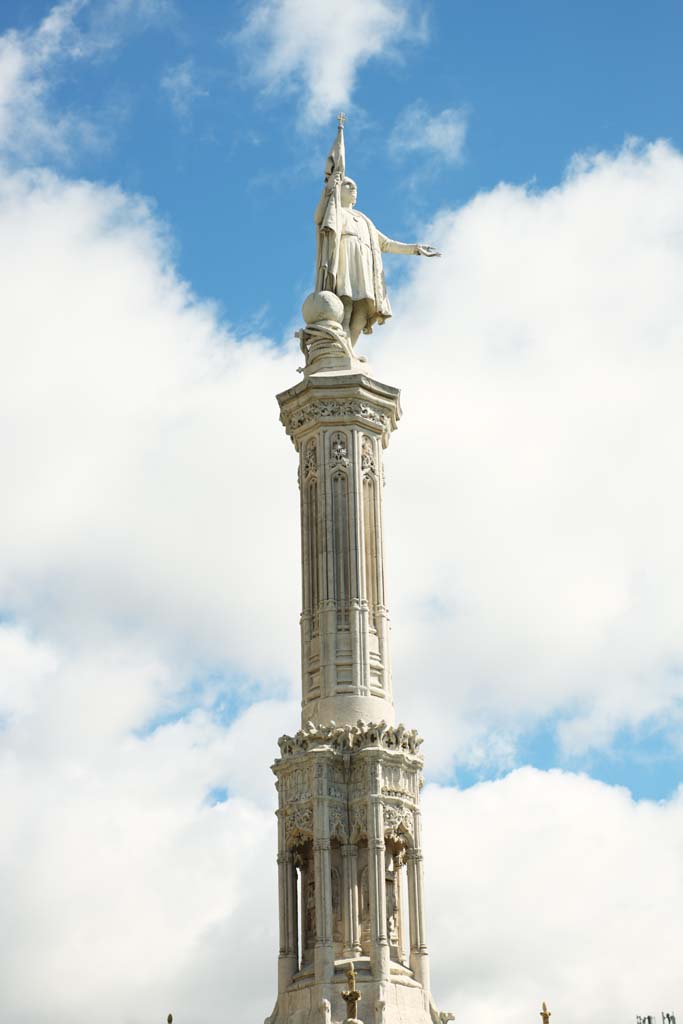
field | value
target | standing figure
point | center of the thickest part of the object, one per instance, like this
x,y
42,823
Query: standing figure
x,y
349,249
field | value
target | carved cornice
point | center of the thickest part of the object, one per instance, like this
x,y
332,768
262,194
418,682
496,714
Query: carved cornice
x,y
334,409
351,738
342,399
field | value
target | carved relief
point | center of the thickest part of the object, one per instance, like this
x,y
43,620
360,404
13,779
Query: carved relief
x,y
298,825
310,458
338,825
336,787
398,782
335,408
359,822
295,786
339,451
367,455
398,821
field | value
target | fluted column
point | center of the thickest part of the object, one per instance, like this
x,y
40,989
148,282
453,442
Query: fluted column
x,y
350,908
322,861
419,955
288,960
340,425
377,878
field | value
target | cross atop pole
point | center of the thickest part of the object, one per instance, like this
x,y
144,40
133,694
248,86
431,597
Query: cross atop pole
x,y
341,118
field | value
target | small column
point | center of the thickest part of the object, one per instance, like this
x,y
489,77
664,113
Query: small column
x,y
324,948
292,910
288,961
377,878
350,914
419,955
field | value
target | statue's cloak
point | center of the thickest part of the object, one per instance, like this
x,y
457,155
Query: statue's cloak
x,y
328,245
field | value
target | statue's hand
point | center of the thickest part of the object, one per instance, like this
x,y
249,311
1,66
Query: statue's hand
x,y
333,182
426,250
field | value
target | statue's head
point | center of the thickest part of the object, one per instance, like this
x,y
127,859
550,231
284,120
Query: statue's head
x,y
349,192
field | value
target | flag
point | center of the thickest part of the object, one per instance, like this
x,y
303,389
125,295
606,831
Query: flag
x,y
336,160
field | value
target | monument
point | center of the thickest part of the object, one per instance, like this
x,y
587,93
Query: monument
x,y
351,900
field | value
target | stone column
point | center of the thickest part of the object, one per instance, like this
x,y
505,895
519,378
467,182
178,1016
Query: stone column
x,y
324,948
292,910
377,878
350,908
419,956
346,665
288,960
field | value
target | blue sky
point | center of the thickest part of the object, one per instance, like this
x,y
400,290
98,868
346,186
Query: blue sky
x,y
539,82
160,162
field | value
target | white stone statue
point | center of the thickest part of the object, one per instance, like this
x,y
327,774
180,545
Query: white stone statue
x,y
326,1011
349,249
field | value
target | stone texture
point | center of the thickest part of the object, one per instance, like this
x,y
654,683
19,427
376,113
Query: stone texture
x,y
349,828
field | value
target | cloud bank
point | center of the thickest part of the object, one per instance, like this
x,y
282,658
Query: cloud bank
x,y
540,360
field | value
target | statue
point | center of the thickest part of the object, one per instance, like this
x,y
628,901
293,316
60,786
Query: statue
x,y
326,1011
349,249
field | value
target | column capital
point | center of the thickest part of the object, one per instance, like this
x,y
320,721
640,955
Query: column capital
x,y
341,400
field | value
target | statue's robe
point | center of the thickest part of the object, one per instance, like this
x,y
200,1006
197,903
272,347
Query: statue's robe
x,y
349,257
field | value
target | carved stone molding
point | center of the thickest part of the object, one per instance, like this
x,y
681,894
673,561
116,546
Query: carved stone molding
x,y
341,738
335,408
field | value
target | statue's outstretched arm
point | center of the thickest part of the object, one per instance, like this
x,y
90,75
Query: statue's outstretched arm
x,y
405,248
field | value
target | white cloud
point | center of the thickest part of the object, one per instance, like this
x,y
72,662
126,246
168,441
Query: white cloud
x,y
119,386
440,137
551,886
318,49
31,63
540,359
181,87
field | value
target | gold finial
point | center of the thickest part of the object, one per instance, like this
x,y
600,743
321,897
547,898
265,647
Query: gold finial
x,y
545,1014
341,118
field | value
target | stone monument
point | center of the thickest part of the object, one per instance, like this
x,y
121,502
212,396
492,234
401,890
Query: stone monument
x,y
351,903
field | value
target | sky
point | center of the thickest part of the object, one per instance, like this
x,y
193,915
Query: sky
x,y
160,162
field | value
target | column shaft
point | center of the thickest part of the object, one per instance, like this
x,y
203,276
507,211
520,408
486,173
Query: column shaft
x,y
419,956
350,908
377,878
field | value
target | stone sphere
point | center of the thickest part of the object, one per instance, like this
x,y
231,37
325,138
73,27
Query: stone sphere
x,y
323,306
